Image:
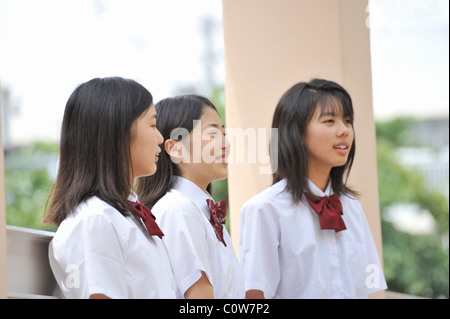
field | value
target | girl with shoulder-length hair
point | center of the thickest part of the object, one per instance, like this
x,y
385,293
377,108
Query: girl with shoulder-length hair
x,y
291,122
176,119
306,236
110,240
194,155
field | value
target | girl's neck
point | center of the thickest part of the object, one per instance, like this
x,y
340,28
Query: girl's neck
x,y
196,180
319,178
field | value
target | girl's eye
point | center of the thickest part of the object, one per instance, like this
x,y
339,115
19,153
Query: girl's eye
x,y
212,132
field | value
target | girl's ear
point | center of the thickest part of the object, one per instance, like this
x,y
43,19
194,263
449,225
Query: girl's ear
x,y
174,149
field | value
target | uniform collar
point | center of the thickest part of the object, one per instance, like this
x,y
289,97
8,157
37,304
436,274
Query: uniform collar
x,y
318,192
193,192
133,197
312,187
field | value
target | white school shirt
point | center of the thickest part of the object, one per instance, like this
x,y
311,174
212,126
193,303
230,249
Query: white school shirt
x,y
192,244
97,250
286,254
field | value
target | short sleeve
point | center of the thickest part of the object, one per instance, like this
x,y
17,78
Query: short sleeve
x,y
186,243
91,254
258,248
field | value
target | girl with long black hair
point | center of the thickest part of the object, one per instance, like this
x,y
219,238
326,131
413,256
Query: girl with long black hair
x,y
108,244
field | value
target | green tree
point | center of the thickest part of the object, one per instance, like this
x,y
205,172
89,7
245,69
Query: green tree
x,y
418,265
27,184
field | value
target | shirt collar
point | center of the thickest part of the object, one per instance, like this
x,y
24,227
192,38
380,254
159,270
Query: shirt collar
x,y
317,191
193,192
133,197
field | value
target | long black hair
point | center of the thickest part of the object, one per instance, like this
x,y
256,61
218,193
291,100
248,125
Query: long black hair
x,y
174,113
95,145
292,115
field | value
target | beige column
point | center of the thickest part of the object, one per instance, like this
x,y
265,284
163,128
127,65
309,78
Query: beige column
x,y
271,45
3,280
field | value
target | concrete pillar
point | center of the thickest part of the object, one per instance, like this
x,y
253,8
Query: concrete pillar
x,y
271,45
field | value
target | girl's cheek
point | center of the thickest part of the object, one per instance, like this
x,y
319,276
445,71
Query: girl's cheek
x,y
211,150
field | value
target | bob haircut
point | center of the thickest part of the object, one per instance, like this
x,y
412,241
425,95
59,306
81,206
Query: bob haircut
x,y
96,133
174,113
292,115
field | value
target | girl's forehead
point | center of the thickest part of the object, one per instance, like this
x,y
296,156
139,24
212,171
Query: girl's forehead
x,y
210,116
332,106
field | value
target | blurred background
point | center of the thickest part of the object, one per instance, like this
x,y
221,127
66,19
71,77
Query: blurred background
x,y
48,47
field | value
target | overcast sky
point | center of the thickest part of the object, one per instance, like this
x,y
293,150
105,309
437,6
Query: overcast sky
x,y
410,58
48,47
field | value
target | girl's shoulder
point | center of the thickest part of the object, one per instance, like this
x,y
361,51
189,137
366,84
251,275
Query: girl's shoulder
x,y
96,209
350,200
273,196
173,201
352,207
92,217
89,209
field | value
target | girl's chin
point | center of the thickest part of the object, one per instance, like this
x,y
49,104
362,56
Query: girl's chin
x,y
223,174
152,170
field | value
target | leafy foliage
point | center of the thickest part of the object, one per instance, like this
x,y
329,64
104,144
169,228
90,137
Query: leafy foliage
x,y
27,184
417,265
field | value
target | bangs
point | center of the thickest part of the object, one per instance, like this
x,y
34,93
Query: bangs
x,y
336,104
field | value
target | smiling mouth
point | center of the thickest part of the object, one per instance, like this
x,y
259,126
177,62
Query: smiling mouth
x,y
222,159
341,147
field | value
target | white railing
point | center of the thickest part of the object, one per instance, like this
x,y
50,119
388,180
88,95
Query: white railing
x,y
28,270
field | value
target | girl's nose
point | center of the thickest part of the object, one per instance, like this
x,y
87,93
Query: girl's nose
x,y
160,138
226,142
344,128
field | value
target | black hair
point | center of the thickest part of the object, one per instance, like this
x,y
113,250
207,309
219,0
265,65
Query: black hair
x,y
292,115
95,145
